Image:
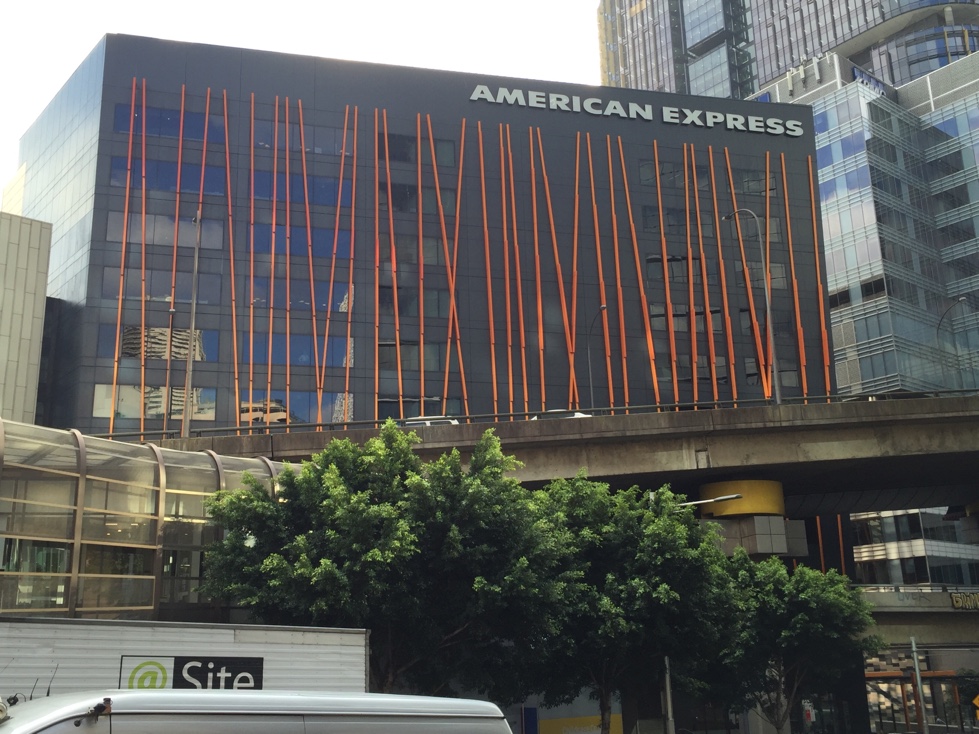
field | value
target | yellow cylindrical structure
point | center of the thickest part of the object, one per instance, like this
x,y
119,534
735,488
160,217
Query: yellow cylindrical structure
x,y
758,497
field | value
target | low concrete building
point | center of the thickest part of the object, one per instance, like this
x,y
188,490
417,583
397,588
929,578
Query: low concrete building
x,y
25,245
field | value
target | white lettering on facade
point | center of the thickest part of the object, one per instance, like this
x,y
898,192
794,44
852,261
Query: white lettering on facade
x,y
636,111
507,96
644,111
615,108
592,106
559,102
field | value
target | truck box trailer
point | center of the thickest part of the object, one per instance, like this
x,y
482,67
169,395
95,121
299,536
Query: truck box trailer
x,y
42,656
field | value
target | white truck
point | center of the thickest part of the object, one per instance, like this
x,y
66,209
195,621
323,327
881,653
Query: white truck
x,y
39,657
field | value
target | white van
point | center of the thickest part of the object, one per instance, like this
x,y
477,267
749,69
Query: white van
x,y
167,711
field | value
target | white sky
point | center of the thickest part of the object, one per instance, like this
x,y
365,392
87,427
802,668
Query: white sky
x,y
43,41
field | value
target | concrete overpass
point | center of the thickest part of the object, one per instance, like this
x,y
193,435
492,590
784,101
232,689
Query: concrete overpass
x,y
830,457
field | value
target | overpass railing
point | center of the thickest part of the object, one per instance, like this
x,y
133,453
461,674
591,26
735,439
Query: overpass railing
x,y
919,588
261,428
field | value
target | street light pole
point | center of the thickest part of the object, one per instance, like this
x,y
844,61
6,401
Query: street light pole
x,y
723,498
591,385
768,298
670,722
921,691
938,336
668,683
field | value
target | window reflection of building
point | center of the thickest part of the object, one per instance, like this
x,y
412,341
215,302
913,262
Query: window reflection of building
x,y
160,342
914,547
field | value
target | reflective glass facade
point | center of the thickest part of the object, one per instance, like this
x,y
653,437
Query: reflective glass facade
x,y
914,547
900,241
687,46
102,529
660,44
281,240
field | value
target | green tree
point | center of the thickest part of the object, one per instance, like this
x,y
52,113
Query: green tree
x,y
799,632
454,570
649,581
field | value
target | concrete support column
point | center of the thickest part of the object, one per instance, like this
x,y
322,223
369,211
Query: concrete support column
x,y
756,521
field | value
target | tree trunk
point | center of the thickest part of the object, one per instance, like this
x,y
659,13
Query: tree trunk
x,y
781,719
605,710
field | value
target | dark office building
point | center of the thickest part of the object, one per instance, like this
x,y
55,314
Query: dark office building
x,y
247,237
730,48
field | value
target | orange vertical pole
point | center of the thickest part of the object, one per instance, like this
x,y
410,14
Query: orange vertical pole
x,y
377,262
819,536
192,333
692,308
486,257
421,268
122,256
517,274
601,275
506,272
275,209
640,278
800,337
819,280
568,331
666,277
288,253
453,335
839,534
333,259
708,319
251,259
731,368
762,368
767,266
573,389
309,262
350,271
394,269
173,264
455,265
444,237
623,348
537,278
142,268
231,257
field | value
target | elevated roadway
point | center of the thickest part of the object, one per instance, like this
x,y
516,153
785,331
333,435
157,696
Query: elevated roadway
x,y
830,457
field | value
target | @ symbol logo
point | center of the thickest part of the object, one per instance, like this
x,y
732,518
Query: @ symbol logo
x,y
149,674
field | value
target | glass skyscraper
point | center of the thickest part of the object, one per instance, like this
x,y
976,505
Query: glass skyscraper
x,y
731,48
897,178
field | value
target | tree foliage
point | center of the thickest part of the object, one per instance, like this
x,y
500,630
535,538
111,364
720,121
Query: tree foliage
x,y
453,570
649,581
798,632
465,577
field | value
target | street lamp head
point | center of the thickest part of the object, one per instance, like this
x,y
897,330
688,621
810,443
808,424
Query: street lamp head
x,y
603,306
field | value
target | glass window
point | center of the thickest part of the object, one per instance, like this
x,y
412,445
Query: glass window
x,y
102,559
34,556
710,75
